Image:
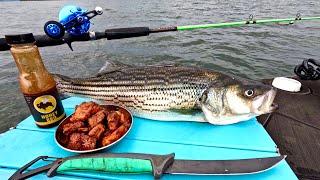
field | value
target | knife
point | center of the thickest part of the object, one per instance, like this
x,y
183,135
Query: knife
x,y
134,163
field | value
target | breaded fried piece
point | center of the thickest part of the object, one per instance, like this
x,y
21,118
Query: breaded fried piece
x,y
84,111
106,112
96,119
110,138
81,141
95,108
124,117
64,139
72,127
97,131
83,129
75,141
113,120
88,142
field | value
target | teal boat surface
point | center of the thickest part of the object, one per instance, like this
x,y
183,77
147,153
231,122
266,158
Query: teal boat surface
x,y
188,140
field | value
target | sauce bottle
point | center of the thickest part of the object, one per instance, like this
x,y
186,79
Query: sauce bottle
x,y
36,83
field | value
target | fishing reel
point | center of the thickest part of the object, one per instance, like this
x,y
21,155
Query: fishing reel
x,y
72,19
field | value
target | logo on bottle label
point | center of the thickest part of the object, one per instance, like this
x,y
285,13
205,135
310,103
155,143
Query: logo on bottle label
x,y
46,107
45,104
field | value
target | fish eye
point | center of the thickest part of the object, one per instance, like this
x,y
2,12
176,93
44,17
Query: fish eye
x,y
249,92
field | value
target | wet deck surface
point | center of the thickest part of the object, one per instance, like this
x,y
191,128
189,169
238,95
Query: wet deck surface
x,y
295,128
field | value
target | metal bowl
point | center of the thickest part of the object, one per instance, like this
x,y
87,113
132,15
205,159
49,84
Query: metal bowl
x,y
59,135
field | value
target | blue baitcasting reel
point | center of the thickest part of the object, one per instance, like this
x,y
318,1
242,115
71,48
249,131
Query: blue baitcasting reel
x,y
72,19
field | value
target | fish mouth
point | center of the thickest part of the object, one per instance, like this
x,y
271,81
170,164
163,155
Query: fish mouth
x,y
264,103
273,107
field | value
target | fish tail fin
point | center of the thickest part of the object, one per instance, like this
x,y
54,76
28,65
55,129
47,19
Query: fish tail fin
x,y
61,82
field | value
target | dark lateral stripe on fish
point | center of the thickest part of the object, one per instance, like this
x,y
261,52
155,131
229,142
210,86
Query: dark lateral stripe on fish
x,y
177,86
145,89
112,96
130,83
127,103
191,96
124,95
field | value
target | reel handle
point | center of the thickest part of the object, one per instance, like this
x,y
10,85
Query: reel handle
x,y
91,14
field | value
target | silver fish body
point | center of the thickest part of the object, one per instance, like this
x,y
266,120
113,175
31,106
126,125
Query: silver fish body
x,y
166,92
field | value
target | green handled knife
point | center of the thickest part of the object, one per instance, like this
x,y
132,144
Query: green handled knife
x,y
132,163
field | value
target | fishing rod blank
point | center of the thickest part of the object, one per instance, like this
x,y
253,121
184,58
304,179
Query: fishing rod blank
x,y
120,33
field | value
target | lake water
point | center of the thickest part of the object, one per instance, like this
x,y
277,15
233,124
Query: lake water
x,y
254,52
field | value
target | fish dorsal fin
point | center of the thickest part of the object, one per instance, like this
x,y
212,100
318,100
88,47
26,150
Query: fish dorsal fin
x,y
164,65
111,66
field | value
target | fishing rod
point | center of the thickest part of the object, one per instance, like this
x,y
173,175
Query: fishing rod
x,y
78,28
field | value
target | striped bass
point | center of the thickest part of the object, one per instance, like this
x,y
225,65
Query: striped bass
x,y
174,93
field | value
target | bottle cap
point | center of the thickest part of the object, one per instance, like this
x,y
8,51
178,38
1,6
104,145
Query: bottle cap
x,y
286,84
20,38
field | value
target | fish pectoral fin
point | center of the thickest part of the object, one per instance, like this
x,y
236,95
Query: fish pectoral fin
x,y
191,112
111,66
218,119
226,120
168,115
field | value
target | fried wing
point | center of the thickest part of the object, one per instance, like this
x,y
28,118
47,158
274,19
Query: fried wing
x,y
81,141
97,131
113,120
87,142
96,119
75,141
72,127
110,138
84,111
125,118
83,130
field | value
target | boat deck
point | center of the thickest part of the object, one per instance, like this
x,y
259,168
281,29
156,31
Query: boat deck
x,y
295,128
188,140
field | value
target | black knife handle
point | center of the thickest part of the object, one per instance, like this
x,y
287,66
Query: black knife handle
x,y
19,174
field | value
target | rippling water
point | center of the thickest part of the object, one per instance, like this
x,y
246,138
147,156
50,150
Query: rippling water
x,y
254,52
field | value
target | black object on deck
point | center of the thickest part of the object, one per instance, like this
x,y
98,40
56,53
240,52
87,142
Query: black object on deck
x,y
295,127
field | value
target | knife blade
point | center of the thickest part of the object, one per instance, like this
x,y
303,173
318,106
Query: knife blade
x,y
133,163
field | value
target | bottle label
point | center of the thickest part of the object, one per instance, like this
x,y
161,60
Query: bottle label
x,y
46,107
